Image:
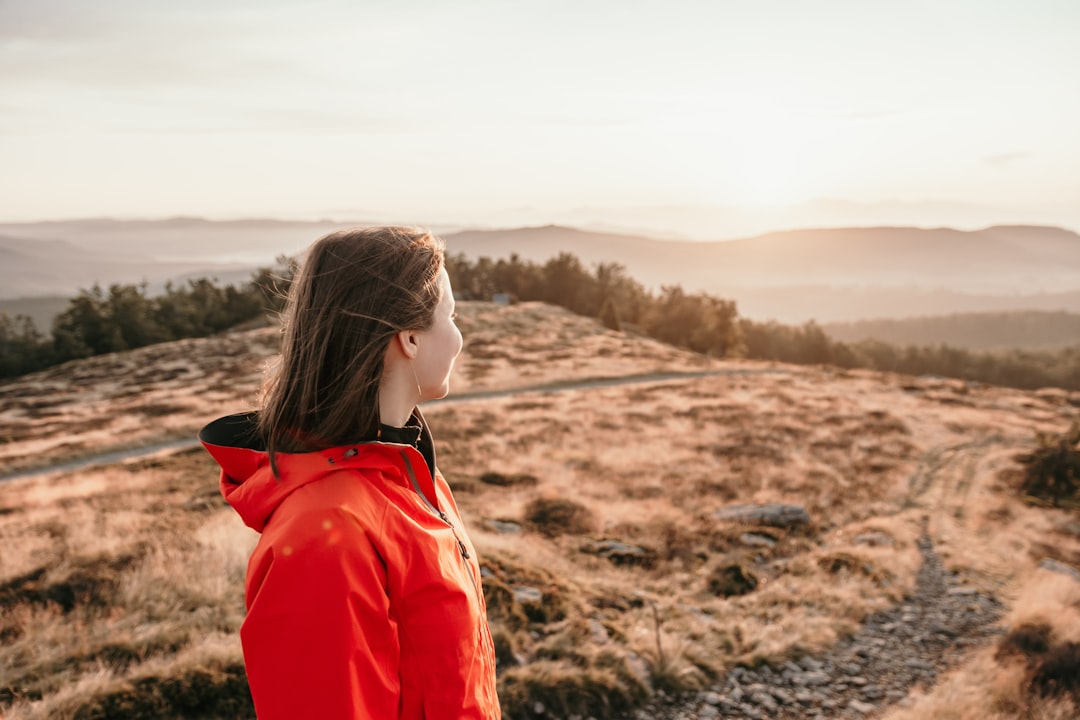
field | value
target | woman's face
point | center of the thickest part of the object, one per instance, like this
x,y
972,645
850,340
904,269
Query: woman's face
x,y
438,346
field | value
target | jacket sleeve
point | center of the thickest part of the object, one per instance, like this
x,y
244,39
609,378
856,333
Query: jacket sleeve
x,y
319,639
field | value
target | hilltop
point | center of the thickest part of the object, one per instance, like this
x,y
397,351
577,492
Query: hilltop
x,y
827,274
607,518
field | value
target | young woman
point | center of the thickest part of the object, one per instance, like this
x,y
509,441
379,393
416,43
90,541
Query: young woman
x,y
364,597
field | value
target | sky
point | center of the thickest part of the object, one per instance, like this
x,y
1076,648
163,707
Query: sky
x,y
700,118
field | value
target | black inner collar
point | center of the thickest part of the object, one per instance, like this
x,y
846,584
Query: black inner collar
x,y
408,435
412,434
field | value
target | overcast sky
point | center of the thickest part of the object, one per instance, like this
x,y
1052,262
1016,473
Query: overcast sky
x,y
492,112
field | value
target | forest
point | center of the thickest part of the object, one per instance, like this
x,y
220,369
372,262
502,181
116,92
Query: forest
x,y
123,317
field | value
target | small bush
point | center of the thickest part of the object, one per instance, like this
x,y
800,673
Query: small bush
x,y
730,580
557,516
505,650
1052,470
554,689
1028,639
500,480
1058,672
198,692
1053,669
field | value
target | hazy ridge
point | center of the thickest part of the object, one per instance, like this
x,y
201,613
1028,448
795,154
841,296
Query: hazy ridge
x,y
830,275
978,331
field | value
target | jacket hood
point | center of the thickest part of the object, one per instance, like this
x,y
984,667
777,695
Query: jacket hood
x,y
249,485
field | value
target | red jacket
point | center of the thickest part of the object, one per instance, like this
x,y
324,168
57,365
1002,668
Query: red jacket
x,y
364,597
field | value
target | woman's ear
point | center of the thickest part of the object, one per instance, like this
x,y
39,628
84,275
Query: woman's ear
x,y
407,342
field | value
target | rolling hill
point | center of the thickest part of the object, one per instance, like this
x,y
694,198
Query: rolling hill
x,y
897,582
976,331
829,275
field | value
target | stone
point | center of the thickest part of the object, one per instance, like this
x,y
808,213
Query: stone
x,y
750,711
757,540
771,514
527,595
712,698
862,707
1056,566
874,539
598,631
621,553
504,527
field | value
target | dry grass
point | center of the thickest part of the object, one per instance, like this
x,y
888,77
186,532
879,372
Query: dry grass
x,y
997,682
119,580
167,391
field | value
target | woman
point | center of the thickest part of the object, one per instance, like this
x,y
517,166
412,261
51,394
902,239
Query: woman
x,y
364,597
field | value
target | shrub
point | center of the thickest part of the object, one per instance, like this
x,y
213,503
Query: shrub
x,y
500,480
1058,672
556,689
729,580
1027,639
1053,668
1052,470
558,516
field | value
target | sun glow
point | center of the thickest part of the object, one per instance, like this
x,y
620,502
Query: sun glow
x,y
751,158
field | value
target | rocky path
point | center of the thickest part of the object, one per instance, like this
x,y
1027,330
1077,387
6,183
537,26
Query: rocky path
x,y
862,675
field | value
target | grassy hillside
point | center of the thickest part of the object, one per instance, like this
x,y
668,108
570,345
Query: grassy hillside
x,y
598,511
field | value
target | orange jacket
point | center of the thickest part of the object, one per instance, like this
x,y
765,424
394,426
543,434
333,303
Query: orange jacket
x,y
364,597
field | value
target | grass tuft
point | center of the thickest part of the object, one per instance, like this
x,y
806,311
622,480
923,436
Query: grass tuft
x,y
558,516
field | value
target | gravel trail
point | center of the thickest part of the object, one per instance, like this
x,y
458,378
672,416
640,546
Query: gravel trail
x,y
894,650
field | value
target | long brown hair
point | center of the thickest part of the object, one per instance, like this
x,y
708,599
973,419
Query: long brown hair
x,y
354,292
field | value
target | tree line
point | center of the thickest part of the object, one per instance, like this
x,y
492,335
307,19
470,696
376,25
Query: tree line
x,y
126,316
708,324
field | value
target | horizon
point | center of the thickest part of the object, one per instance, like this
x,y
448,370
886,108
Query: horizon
x,y
449,229
700,120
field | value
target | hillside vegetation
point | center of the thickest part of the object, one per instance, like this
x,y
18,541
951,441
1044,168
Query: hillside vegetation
x,y
126,317
820,274
618,573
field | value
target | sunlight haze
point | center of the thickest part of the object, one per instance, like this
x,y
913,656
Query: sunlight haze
x,y
704,119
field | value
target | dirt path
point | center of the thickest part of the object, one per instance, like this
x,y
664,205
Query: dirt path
x,y
906,646
116,455
862,675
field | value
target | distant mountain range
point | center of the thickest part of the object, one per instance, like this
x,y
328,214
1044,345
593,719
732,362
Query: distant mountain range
x,y
832,275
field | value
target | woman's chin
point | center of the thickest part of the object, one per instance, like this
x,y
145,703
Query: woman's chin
x,y
438,393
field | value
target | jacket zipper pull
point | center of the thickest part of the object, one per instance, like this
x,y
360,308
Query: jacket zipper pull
x,y
464,551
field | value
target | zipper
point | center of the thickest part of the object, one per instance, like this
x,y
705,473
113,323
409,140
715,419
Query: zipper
x,y
485,631
462,550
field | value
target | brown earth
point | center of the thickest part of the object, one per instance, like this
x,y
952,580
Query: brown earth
x,y
595,511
